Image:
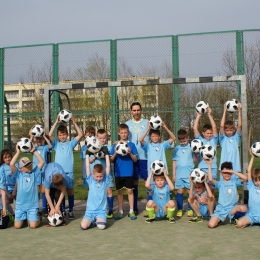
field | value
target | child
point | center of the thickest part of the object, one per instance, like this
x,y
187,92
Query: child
x,y
89,131
11,187
161,204
43,146
201,200
124,170
4,219
253,185
27,193
64,156
182,166
229,139
228,196
97,197
209,137
55,183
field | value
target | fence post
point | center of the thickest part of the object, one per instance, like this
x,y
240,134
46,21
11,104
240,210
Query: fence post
x,y
2,94
240,58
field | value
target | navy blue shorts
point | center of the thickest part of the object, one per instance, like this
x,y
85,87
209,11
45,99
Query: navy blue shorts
x,y
140,170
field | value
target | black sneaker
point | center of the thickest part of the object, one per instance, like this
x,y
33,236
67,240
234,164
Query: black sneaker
x,y
71,215
149,220
64,214
136,212
171,220
196,219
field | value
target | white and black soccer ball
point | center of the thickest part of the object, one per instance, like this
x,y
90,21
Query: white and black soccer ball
x,y
65,115
232,105
197,175
155,122
207,151
93,144
25,145
37,130
55,220
255,149
157,167
122,148
100,155
201,107
195,145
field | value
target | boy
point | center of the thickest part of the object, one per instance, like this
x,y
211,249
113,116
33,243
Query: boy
x,y
201,200
228,196
97,197
89,131
253,185
229,139
64,156
209,136
124,171
137,125
4,219
55,183
27,192
161,205
182,166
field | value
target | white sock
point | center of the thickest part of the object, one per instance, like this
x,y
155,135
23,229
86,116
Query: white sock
x,y
121,211
131,211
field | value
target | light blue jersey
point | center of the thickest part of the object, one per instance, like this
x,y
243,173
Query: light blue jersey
x,y
64,154
136,130
156,151
52,169
2,186
184,161
124,165
27,192
230,151
9,177
43,150
202,164
97,196
254,198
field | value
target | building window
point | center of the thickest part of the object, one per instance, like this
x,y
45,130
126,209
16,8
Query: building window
x,y
28,104
13,105
150,100
41,91
11,94
28,93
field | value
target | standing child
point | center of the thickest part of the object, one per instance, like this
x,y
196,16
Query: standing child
x,y
209,137
124,171
182,166
161,205
4,219
89,131
11,187
201,200
64,156
27,193
43,146
228,195
253,185
97,197
229,139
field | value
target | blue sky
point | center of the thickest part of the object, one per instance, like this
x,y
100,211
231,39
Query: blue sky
x,y
52,21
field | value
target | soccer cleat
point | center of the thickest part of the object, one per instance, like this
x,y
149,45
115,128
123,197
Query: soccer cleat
x,y
149,220
235,220
196,219
171,220
132,216
136,212
190,213
71,215
118,215
145,214
110,215
179,213
64,214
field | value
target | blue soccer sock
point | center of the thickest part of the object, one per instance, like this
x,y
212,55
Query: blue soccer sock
x,y
110,202
239,214
44,202
63,205
179,199
189,207
71,202
135,192
149,197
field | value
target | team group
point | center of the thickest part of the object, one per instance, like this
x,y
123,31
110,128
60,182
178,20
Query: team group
x,y
21,179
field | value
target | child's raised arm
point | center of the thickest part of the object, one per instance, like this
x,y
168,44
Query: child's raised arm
x,y
191,195
170,184
148,181
14,159
239,121
87,163
141,139
242,176
170,133
222,123
47,140
38,156
196,124
210,194
212,122
79,132
209,163
53,128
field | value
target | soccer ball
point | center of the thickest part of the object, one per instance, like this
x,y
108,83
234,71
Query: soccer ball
x,y
255,149
65,116
155,122
37,131
93,144
122,148
201,107
100,155
207,151
232,105
195,145
25,145
55,220
197,175
157,167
